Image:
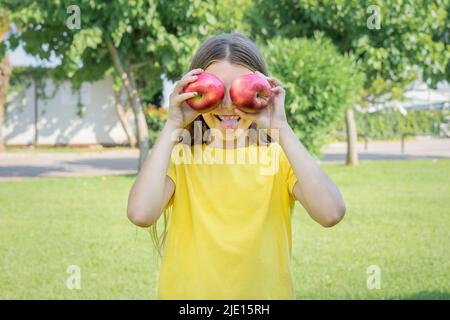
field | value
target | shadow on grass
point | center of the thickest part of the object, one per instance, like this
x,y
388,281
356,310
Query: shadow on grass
x,y
110,164
28,171
335,157
424,295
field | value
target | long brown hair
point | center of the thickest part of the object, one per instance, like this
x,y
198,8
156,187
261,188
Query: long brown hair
x,y
232,47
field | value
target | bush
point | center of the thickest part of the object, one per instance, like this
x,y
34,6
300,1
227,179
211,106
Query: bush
x,y
392,124
320,83
156,117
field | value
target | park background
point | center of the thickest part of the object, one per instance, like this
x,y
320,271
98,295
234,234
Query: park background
x,y
367,93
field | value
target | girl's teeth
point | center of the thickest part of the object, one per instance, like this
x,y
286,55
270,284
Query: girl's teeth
x,y
229,117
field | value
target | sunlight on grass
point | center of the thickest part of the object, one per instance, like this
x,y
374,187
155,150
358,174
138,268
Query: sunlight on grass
x,y
397,218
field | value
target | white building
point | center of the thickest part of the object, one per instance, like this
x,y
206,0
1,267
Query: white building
x,y
67,118
55,121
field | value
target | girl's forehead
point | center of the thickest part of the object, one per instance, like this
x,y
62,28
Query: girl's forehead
x,y
227,71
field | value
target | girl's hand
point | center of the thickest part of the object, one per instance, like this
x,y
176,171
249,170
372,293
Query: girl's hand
x,y
274,115
180,114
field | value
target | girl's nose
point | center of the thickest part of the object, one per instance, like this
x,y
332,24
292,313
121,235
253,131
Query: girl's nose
x,y
227,102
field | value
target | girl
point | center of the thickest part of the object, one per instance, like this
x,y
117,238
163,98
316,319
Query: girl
x,y
229,227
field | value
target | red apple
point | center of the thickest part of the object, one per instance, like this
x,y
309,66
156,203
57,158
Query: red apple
x,y
210,91
250,92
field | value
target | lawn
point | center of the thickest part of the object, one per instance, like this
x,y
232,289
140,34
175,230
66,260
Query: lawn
x,y
398,219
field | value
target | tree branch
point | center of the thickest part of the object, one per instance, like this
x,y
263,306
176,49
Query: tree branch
x,y
136,66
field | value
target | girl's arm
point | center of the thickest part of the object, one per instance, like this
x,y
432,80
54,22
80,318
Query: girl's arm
x,y
153,189
314,189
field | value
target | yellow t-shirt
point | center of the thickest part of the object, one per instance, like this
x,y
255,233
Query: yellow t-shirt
x,y
229,233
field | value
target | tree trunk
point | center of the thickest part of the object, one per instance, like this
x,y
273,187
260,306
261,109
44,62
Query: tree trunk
x,y
5,75
352,138
130,87
123,119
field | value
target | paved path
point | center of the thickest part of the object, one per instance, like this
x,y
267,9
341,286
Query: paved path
x,y
418,148
33,164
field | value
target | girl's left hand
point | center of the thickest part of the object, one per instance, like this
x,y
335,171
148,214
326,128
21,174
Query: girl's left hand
x,y
274,115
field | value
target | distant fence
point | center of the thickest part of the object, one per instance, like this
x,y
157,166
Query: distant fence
x,y
390,123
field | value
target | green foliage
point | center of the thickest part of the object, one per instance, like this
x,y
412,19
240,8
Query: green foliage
x,y
4,19
152,37
392,124
4,25
156,118
412,34
21,74
320,83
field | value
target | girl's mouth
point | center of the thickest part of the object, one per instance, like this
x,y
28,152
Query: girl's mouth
x,y
228,121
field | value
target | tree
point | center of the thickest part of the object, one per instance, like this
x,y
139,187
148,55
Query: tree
x,y
5,72
319,83
135,42
120,111
392,40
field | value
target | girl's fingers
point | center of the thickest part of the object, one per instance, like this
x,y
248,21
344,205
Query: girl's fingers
x,y
191,76
194,71
277,89
185,96
183,82
273,81
187,80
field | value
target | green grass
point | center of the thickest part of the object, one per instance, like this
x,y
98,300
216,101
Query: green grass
x,y
397,218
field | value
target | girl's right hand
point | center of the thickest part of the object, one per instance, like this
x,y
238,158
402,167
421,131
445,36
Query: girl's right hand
x,y
179,111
